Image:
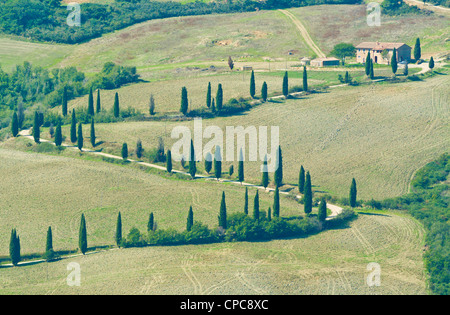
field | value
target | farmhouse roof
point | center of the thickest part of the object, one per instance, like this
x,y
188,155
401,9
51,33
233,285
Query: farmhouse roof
x,y
380,46
326,59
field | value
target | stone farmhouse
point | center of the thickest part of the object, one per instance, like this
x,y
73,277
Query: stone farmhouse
x,y
382,52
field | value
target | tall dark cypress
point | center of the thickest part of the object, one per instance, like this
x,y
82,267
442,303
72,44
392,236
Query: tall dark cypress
x,y
139,149
371,73
322,215
190,220
305,80
151,222
353,194
64,102
417,50
219,98
125,151
308,194
367,64
118,236
223,213
246,201
184,101
82,236
286,84
116,106
301,180
431,63
99,104
58,135
14,248
169,161
252,85
15,125
394,65
256,207
80,137
265,174
93,133
218,163
91,111
37,128
269,214
241,167
279,168
49,243
208,95
264,92
208,162
192,162
73,127
276,203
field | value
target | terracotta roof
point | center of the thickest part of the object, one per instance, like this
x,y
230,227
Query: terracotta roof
x,y
380,46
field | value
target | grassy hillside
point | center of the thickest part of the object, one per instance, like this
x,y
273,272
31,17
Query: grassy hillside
x,y
333,262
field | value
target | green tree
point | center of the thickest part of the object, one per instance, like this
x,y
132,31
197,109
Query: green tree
x,y
64,102
353,194
223,213
301,180
279,168
73,127
118,236
371,73
190,220
139,149
208,162
14,248
15,125
252,85
305,79
322,215
417,50
276,203
308,197
431,63
99,104
246,201
93,138
265,174
394,61
36,128
217,163
343,50
58,135
125,151
49,243
231,170
82,236
241,167
230,63
264,92
219,98
256,207
80,137
208,96
184,101
213,106
368,64
192,162
286,84
169,161
116,106
91,111
151,223
152,105
269,214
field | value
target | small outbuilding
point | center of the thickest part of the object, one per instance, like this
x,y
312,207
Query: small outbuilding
x,y
325,62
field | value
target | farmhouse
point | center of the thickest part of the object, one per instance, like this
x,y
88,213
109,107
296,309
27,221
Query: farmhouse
x,y
325,62
382,52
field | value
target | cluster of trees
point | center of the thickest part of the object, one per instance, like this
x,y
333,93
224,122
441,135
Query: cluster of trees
x,y
46,20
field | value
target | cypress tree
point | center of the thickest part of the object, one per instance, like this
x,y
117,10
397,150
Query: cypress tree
x,y
213,105
118,236
265,174
223,213
80,137
230,63
286,84
322,215
276,203
264,92
218,163
92,133
184,101
305,79
394,61
353,194
125,151
246,201
82,237
169,161
241,167
14,248
308,195
371,73
152,105
116,105
252,85
64,102
231,170
208,163
256,207
73,127
139,149
151,223
431,63
219,98
49,243
301,180
15,125
367,64
58,135
36,128
190,220
192,162
279,171
91,111
269,214
347,77
208,96
405,70
99,104
417,50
